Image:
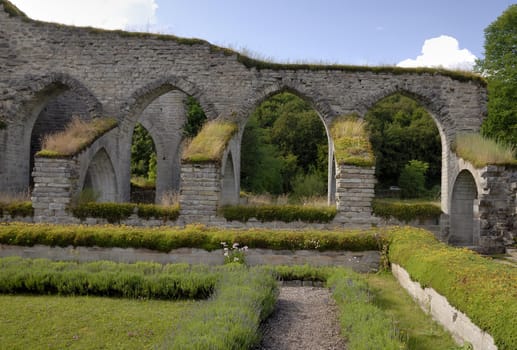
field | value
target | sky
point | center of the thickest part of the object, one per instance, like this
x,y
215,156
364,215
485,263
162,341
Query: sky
x,y
408,33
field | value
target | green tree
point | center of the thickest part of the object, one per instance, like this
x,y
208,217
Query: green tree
x,y
500,68
142,149
195,117
284,139
401,130
412,179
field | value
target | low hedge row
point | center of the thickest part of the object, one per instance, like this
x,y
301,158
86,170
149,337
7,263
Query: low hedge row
x,y
231,319
364,325
193,236
116,212
285,213
483,289
141,280
17,209
405,212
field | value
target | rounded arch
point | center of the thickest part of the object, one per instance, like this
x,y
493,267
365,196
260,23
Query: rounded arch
x,y
444,129
38,93
100,177
317,103
142,97
464,210
166,133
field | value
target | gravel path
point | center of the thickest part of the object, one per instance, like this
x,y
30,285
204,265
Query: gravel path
x,y
304,318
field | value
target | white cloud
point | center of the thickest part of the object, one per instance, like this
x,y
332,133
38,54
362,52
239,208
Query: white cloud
x,y
107,14
443,51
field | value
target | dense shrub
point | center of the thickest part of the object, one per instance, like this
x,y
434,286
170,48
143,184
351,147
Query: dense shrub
x,y
115,212
165,239
484,290
405,212
17,209
412,179
285,213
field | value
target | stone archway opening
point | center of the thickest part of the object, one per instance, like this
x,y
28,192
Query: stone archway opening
x,y
143,166
464,216
407,143
56,113
169,117
284,152
100,179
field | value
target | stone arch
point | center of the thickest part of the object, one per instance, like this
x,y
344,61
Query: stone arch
x,y
100,177
54,92
143,96
434,109
464,215
317,102
167,146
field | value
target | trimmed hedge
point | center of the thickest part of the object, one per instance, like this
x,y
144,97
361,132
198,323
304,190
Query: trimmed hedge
x,y
285,213
103,278
483,289
192,236
116,212
17,209
405,212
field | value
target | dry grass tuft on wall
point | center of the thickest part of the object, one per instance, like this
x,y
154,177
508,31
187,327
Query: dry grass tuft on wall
x,y
77,135
482,151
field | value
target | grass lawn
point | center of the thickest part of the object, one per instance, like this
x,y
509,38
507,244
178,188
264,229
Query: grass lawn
x,y
55,322
421,331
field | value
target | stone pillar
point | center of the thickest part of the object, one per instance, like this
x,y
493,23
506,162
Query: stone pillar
x,y
55,182
354,194
200,191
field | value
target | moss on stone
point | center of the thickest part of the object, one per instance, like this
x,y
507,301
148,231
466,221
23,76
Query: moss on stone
x,y
351,143
12,10
210,143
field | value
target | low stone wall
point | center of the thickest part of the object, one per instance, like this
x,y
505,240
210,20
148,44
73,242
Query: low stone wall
x,y
366,261
456,322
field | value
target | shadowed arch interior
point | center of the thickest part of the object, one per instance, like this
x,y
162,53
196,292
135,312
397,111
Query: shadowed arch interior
x,y
464,228
100,177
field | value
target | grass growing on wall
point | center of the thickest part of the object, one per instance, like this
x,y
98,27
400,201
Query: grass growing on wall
x,y
210,143
483,289
77,135
482,151
351,143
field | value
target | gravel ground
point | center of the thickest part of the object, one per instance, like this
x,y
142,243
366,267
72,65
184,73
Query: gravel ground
x,y
304,318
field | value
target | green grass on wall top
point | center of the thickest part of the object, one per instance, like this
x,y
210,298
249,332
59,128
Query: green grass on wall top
x,y
351,142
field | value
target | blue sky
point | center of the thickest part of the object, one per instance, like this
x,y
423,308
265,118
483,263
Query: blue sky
x,y
349,32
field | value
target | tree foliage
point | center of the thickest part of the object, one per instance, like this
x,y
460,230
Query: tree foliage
x,y
284,142
412,179
401,130
500,67
142,150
